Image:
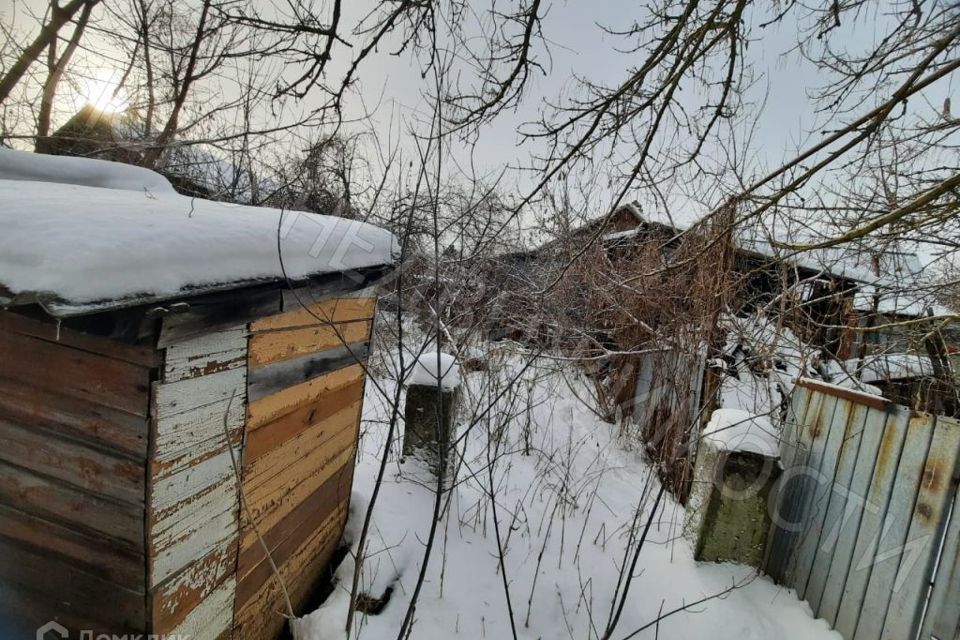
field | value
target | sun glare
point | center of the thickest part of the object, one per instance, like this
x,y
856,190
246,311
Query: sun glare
x,y
102,94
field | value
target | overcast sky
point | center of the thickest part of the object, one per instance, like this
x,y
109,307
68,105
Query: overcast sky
x,y
577,45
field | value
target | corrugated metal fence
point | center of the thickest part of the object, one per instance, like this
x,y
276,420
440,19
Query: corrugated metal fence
x,y
866,519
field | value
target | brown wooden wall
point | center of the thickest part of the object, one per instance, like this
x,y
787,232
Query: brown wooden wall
x,y
73,449
305,391
120,505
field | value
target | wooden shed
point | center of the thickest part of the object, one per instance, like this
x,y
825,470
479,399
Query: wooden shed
x,y
149,439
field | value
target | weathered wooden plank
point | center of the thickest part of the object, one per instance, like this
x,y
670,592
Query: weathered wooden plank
x,y
202,451
283,459
181,396
268,484
273,434
813,439
172,491
205,354
259,606
23,609
775,561
220,314
303,518
798,410
218,535
104,427
50,331
186,439
896,523
93,554
361,283
174,599
178,431
194,497
72,462
844,451
281,376
52,500
846,526
919,551
182,521
194,416
847,418
43,573
268,409
251,581
874,505
75,373
277,346
318,314
211,617
943,614
280,497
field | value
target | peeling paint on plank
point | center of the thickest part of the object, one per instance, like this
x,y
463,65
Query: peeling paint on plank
x,y
179,594
184,395
268,409
280,499
175,489
212,616
205,355
281,376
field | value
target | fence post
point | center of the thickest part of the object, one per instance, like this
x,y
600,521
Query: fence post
x,y
430,410
735,469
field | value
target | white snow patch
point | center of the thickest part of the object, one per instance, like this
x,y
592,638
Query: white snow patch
x,y
85,172
738,430
843,375
83,244
891,366
765,360
433,368
567,493
621,235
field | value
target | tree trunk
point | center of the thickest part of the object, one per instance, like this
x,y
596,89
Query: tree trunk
x,y
59,17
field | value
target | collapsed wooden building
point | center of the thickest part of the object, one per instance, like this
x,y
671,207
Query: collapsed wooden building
x,y
652,305
175,395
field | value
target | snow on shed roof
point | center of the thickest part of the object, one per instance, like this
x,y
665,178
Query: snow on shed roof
x,y
82,235
37,167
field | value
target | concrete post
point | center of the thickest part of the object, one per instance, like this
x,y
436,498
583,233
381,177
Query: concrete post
x,y
429,424
727,515
429,414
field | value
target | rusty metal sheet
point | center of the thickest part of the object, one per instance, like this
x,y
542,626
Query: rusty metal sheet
x,y
923,540
803,402
874,504
837,472
825,436
943,614
846,514
791,489
895,527
796,414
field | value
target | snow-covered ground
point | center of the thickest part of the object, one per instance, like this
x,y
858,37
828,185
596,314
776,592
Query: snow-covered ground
x,y
567,492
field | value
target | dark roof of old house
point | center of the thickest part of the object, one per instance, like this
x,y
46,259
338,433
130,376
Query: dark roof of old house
x,y
883,282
